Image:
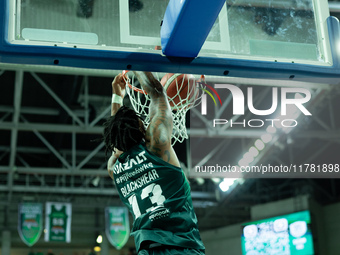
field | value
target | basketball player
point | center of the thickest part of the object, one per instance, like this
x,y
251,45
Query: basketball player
x,y
148,176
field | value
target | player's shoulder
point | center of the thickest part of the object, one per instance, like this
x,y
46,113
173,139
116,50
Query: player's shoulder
x,y
110,165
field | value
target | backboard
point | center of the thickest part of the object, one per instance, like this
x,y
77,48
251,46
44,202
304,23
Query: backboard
x,y
110,25
272,39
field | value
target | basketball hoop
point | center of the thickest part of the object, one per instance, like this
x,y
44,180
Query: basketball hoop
x,y
183,93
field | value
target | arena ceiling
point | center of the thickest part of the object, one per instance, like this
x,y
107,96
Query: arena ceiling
x,y
51,147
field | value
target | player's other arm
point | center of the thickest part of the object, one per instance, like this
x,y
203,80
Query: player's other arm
x,y
118,93
159,131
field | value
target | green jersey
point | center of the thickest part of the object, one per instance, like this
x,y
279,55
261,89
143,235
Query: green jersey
x,y
158,195
58,224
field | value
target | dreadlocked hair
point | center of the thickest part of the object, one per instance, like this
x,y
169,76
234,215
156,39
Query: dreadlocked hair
x,y
122,131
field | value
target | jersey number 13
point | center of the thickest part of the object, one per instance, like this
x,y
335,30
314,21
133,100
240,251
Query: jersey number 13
x,y
153,192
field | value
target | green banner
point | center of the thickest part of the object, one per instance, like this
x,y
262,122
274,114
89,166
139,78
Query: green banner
x,y
58,222
30,222
117,227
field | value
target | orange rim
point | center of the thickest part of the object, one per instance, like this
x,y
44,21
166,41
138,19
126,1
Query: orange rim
x,y
201,79
130,86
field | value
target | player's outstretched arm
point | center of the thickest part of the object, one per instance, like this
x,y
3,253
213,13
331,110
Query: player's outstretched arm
x,y
118,93
159,131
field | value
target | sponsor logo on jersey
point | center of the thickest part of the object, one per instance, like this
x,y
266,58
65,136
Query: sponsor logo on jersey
x,y
159,212
121,167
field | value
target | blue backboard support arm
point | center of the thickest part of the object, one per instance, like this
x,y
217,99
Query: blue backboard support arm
x,y
186,26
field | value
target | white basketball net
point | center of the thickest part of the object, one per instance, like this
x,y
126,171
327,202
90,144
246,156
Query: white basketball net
x,y
184,101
